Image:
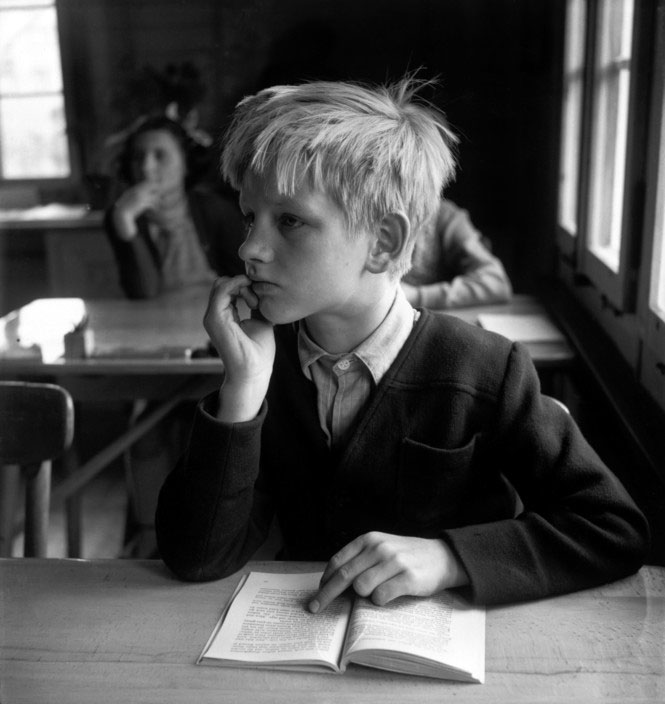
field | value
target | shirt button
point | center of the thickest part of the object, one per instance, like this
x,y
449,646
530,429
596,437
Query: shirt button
x,y
344,364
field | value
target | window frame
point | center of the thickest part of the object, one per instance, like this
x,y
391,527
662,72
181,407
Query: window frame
x,y
567,241
617,289
652,367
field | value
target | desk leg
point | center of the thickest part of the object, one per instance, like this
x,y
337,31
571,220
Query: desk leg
x,y
73,507
10,481
37,503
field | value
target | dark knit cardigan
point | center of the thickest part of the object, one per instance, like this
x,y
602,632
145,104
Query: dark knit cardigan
x,y
456,426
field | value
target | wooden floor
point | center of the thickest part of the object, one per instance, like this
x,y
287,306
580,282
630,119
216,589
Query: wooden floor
x,y
104,502
104,513
103,519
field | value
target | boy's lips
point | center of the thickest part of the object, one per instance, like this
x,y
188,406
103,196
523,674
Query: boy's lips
x,y
261,286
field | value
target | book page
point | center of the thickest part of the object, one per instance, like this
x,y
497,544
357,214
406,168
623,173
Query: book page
x,y
268,622
442,628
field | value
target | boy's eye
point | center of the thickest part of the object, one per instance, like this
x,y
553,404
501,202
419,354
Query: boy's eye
x,y
290,221
248,221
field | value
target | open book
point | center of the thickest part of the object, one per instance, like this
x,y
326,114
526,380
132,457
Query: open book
x,y
267,624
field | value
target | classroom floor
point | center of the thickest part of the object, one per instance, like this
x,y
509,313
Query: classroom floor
x,y
104,506
104,500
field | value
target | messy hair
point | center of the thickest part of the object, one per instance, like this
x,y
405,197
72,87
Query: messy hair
x,y
373,150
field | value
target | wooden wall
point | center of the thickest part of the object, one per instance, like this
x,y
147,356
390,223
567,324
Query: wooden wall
x,y
497,61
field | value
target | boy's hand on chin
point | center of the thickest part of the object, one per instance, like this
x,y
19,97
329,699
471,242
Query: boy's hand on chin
x,y
383,567
246,347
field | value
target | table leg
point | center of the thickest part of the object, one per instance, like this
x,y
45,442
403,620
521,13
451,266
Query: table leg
x,y
73,507
10,482
37,504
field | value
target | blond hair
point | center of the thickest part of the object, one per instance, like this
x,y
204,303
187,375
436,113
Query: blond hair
x,y
373,150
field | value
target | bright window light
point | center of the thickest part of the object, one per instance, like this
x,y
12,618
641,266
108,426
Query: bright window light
x,y
33,129
612,74
573,93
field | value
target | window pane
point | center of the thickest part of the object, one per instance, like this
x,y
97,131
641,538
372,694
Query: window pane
x,y
658,277
29,52
573,86
657,297
610,125
33,131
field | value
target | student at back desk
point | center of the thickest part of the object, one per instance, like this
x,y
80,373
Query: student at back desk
x,y
453,265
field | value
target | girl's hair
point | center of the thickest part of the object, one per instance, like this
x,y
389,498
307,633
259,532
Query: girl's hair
x,y
374,150
196,161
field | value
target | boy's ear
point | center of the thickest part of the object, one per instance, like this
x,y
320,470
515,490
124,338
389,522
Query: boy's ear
x,y
389,242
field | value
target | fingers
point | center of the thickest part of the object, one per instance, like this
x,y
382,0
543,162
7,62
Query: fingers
x,y
246,347
364,564
224,293
383,567
138,198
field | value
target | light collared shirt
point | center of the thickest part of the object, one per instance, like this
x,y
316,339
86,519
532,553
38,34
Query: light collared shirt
x,y
345,381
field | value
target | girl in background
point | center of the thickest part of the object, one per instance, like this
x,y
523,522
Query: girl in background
x,y
168,231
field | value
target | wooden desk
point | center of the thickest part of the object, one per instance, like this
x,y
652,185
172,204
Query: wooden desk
x,y
78,257
129,334
552,355
126,631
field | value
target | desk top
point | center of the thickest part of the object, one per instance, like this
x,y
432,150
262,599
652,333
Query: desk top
x,y
54,216
156,336
124,337
117,631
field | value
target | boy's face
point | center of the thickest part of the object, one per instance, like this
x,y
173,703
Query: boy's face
x,y
299,254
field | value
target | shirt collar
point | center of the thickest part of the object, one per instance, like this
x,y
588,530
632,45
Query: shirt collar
x,y
378,351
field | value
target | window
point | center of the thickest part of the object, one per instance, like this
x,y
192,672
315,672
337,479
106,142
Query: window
x,y
33,130
652,299
571,131
611,86
612,176
657,297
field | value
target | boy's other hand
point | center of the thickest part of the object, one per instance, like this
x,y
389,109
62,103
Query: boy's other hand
x,y
246,347
383,567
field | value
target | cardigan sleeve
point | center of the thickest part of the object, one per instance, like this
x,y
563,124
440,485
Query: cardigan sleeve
x,y
578,528
212,514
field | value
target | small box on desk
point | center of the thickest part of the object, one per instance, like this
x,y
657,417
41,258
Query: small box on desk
x,y
79,344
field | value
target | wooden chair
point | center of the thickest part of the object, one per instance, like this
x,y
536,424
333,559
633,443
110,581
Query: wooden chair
x,y
36,427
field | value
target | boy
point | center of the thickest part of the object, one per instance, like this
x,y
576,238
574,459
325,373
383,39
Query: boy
x,y
385,440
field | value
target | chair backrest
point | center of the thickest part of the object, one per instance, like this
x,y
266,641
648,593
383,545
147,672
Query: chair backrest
x,y
36,422
36,427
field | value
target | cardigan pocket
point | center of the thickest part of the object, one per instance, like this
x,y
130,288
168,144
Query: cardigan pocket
x,y
432,482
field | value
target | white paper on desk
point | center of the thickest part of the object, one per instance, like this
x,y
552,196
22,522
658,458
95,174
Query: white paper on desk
x,y
522,328
38,329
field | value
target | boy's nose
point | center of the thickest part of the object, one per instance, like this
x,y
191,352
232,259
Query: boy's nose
x,y
256,246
